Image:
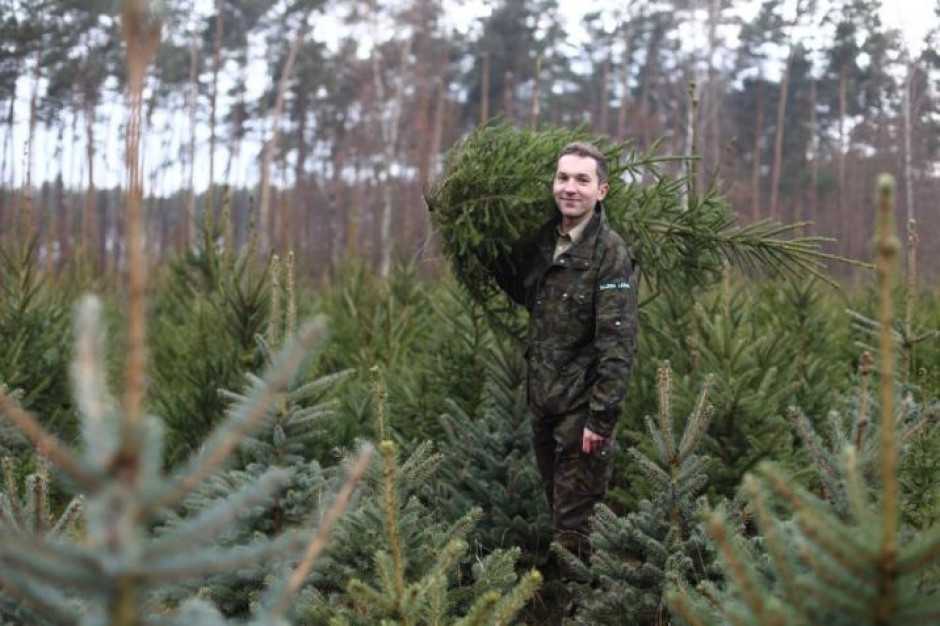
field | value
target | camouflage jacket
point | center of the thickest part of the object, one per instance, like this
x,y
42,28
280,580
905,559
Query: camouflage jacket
x,y
582,321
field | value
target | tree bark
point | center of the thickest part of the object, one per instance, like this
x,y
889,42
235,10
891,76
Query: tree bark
x,y
908,161
7,149
300,202
755,168
778,138
508,89
88,216
713,93
271,144
624,82
604,122
536,109
843,106
213,96
814,169
237,121
192,97
27,224
440,110
337,195
485,88
389,116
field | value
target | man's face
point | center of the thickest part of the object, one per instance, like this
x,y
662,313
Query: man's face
x,y
577,188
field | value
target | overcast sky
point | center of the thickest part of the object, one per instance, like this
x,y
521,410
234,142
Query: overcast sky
x,y
914,17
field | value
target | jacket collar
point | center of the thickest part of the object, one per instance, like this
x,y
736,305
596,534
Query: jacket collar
x,y
584,247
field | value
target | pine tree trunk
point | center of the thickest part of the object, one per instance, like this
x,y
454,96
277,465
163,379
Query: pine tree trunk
x,y
213,97
355,210
485,89
755,169
778,138
650,69
27,224
624,83
440,111
814,170
270,145
237,121
536,96
508,89
843,213
713,94
389,121
5,220
908,126
88,216
605,91
192,96
341,208
301,199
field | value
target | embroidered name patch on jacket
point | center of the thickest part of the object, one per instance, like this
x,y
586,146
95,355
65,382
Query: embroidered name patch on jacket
x,y
607,286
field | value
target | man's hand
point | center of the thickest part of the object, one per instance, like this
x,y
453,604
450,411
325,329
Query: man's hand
x,y
591,442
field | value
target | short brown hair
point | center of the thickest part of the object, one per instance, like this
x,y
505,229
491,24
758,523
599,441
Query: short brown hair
x,y
585,149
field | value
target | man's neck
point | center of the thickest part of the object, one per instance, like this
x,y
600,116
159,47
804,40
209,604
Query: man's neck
x,y
567,225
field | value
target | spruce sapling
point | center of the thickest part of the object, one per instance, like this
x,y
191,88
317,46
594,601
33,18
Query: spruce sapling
x,y
858,567
636,557
281,441
392,560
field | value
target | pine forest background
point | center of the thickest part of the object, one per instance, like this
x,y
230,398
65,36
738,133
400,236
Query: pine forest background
x,y
334,116
295,398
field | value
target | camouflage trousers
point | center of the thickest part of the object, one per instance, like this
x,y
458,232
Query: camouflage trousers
x,y
574,481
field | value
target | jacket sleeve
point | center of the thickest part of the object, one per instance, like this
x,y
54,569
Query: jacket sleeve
x,y
509,273
510,270
615,301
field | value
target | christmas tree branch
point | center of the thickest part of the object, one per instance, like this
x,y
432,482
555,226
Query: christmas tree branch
x,y
318,542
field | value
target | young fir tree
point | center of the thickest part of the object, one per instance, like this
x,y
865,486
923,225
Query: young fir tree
x,y
387,322
846,564
394,561
33,357
281,441
488,464
724,332
909,335
752,382
816,340
206,316
663,542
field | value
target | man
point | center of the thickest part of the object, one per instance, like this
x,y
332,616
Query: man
x,y
575,279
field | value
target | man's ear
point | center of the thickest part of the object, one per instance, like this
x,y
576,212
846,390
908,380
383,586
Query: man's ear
x,y
602,191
